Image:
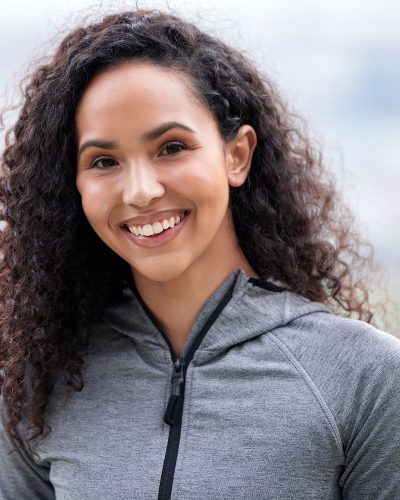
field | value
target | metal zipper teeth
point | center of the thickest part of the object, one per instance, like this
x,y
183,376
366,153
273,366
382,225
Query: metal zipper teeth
x,y
171,454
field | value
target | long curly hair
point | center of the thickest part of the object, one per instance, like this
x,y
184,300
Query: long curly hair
x,y
57,276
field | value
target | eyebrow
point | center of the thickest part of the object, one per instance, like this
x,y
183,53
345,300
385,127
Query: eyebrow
x,y
151,135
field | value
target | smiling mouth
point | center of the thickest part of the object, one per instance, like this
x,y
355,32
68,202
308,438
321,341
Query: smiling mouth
x,y
151,231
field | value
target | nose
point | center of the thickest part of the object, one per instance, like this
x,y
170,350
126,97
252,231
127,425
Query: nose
x,y
141,185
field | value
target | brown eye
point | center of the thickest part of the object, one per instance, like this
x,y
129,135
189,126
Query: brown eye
x,y
103,163
172,148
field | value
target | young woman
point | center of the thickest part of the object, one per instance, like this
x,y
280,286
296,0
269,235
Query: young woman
x,y
173,285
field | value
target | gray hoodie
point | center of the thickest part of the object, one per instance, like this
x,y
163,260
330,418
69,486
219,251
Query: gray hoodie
x,y
273,397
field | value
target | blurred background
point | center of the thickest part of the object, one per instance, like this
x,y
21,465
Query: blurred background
x,y
336,63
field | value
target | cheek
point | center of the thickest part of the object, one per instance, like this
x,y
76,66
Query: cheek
x,y
203,182
96,200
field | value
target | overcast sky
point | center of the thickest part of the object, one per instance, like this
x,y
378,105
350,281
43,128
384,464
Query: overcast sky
x,y
336,62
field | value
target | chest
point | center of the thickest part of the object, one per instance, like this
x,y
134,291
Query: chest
x,y
243,433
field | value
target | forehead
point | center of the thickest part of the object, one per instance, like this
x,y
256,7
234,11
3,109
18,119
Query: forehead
x,y
142,90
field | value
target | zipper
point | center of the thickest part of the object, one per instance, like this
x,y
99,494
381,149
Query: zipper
x,y
174,409
177,381
173,417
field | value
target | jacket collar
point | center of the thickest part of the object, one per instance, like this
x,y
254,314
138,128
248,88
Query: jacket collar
x,y
255,308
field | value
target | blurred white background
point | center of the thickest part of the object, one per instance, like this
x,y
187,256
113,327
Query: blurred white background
x,y
337,63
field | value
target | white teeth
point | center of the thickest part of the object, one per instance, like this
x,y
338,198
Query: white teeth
x,y
156,227
148,230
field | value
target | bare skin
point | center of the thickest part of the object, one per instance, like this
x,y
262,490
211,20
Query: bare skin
x,y
134,174
186,294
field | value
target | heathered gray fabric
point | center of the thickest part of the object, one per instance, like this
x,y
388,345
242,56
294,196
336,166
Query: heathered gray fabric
x,y
283,400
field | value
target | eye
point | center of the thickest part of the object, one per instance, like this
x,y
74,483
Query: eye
x,y
173,148
103,163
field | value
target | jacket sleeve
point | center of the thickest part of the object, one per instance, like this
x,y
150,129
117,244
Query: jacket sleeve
x,y
372,468
20,477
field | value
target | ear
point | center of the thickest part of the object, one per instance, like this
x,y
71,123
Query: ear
x,y
239,153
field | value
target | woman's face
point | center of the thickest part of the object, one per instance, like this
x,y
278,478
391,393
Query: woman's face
x,y
149,155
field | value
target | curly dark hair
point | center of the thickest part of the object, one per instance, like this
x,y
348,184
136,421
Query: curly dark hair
x,y
57,276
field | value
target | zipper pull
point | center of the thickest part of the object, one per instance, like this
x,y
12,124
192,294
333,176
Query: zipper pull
x,y
176,386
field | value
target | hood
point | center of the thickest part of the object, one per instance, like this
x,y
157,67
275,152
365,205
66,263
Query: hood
x,y
252,307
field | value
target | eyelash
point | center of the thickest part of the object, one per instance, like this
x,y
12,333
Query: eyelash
x,y
103,158
175,143
172,143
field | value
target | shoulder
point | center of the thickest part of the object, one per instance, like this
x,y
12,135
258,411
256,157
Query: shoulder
x,y
353,367
320,337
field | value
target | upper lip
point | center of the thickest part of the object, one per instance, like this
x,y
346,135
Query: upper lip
x,y
152,217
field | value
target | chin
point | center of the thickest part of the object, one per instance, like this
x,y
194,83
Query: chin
x,y
158,273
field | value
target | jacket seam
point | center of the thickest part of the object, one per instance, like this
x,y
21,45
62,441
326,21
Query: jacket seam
x,y
128,334
313,388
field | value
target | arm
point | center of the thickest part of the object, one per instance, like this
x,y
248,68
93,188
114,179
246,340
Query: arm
x,y
372,468
20,477
356,369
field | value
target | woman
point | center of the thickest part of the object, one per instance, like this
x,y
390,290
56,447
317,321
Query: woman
x,y
172,261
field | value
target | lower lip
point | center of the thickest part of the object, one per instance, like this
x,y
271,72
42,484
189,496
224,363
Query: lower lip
x,y
157,239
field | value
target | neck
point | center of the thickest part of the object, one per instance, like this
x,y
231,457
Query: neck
x,y
176,302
